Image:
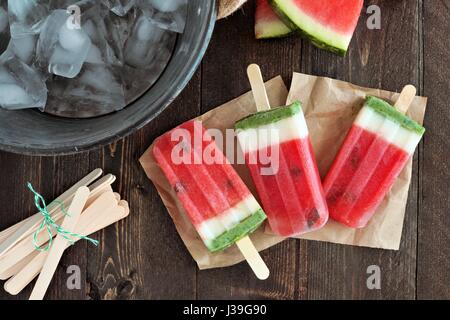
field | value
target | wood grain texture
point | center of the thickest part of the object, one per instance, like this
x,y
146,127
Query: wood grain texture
x,y
235,45
388,59
51,177
433,276
58,174
143,257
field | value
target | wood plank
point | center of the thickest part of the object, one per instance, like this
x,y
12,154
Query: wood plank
x,y
17,204
143,256
232,49
50,176
131,261
58,174
388,59
433,270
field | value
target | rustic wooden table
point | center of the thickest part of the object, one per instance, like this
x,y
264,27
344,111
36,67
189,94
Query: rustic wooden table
x,y
144,258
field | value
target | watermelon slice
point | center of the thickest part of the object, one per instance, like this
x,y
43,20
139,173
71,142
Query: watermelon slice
x,y
329,24
267,23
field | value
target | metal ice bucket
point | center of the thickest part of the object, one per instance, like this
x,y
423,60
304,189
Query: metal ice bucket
x,y
35,133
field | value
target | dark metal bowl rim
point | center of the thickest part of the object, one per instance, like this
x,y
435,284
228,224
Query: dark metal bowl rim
x,y
183,79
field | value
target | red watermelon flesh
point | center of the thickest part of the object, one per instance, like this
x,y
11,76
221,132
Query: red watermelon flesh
x,y
348,10
328,23
267,22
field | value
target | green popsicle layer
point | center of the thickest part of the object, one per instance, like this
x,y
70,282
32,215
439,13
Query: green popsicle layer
x,y
388,111
270,116
244,228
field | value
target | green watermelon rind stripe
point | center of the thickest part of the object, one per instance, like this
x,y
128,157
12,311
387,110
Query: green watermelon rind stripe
x,y
277,29
267,117
318,36
240,231
386,110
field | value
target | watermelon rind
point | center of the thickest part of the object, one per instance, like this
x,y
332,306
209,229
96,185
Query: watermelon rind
x,y
271,30
267,23
320,36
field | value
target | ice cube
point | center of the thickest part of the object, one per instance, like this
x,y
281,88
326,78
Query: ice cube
x,y
13,97
92,17
61,4
80,10
100,80
97,90
146,43
123,28
170,15
64,4
167,6
105,40
26,16
21,87
24,48
94,56
120,7
62,48
147,53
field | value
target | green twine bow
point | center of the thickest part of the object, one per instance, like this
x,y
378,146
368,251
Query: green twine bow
x,y
49,223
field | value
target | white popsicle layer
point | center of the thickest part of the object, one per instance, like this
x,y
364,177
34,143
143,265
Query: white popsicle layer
x,y
214,227
372,121
287,129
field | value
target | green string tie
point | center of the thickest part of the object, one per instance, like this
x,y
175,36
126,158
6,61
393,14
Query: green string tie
x,y
49,223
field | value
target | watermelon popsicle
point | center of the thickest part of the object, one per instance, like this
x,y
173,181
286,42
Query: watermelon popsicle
x,y
218,203
279,155
375,151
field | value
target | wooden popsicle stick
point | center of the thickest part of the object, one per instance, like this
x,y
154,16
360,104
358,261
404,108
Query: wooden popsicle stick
x,y
125,205
253,258
258,87
99,212
55,216
262,103
245,245
8,273
23,248
100,186
19,281
33,223
85,226
105,189
95,188
9,231
105,181
406,98
26,246
5,234
60,244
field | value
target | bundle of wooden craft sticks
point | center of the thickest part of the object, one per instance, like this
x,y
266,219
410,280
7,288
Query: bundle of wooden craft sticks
x,y
32,248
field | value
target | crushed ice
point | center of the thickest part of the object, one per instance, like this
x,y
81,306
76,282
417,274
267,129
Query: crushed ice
x,y
83,52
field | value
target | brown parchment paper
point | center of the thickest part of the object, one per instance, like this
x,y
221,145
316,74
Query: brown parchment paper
x,y
330,107
221,118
